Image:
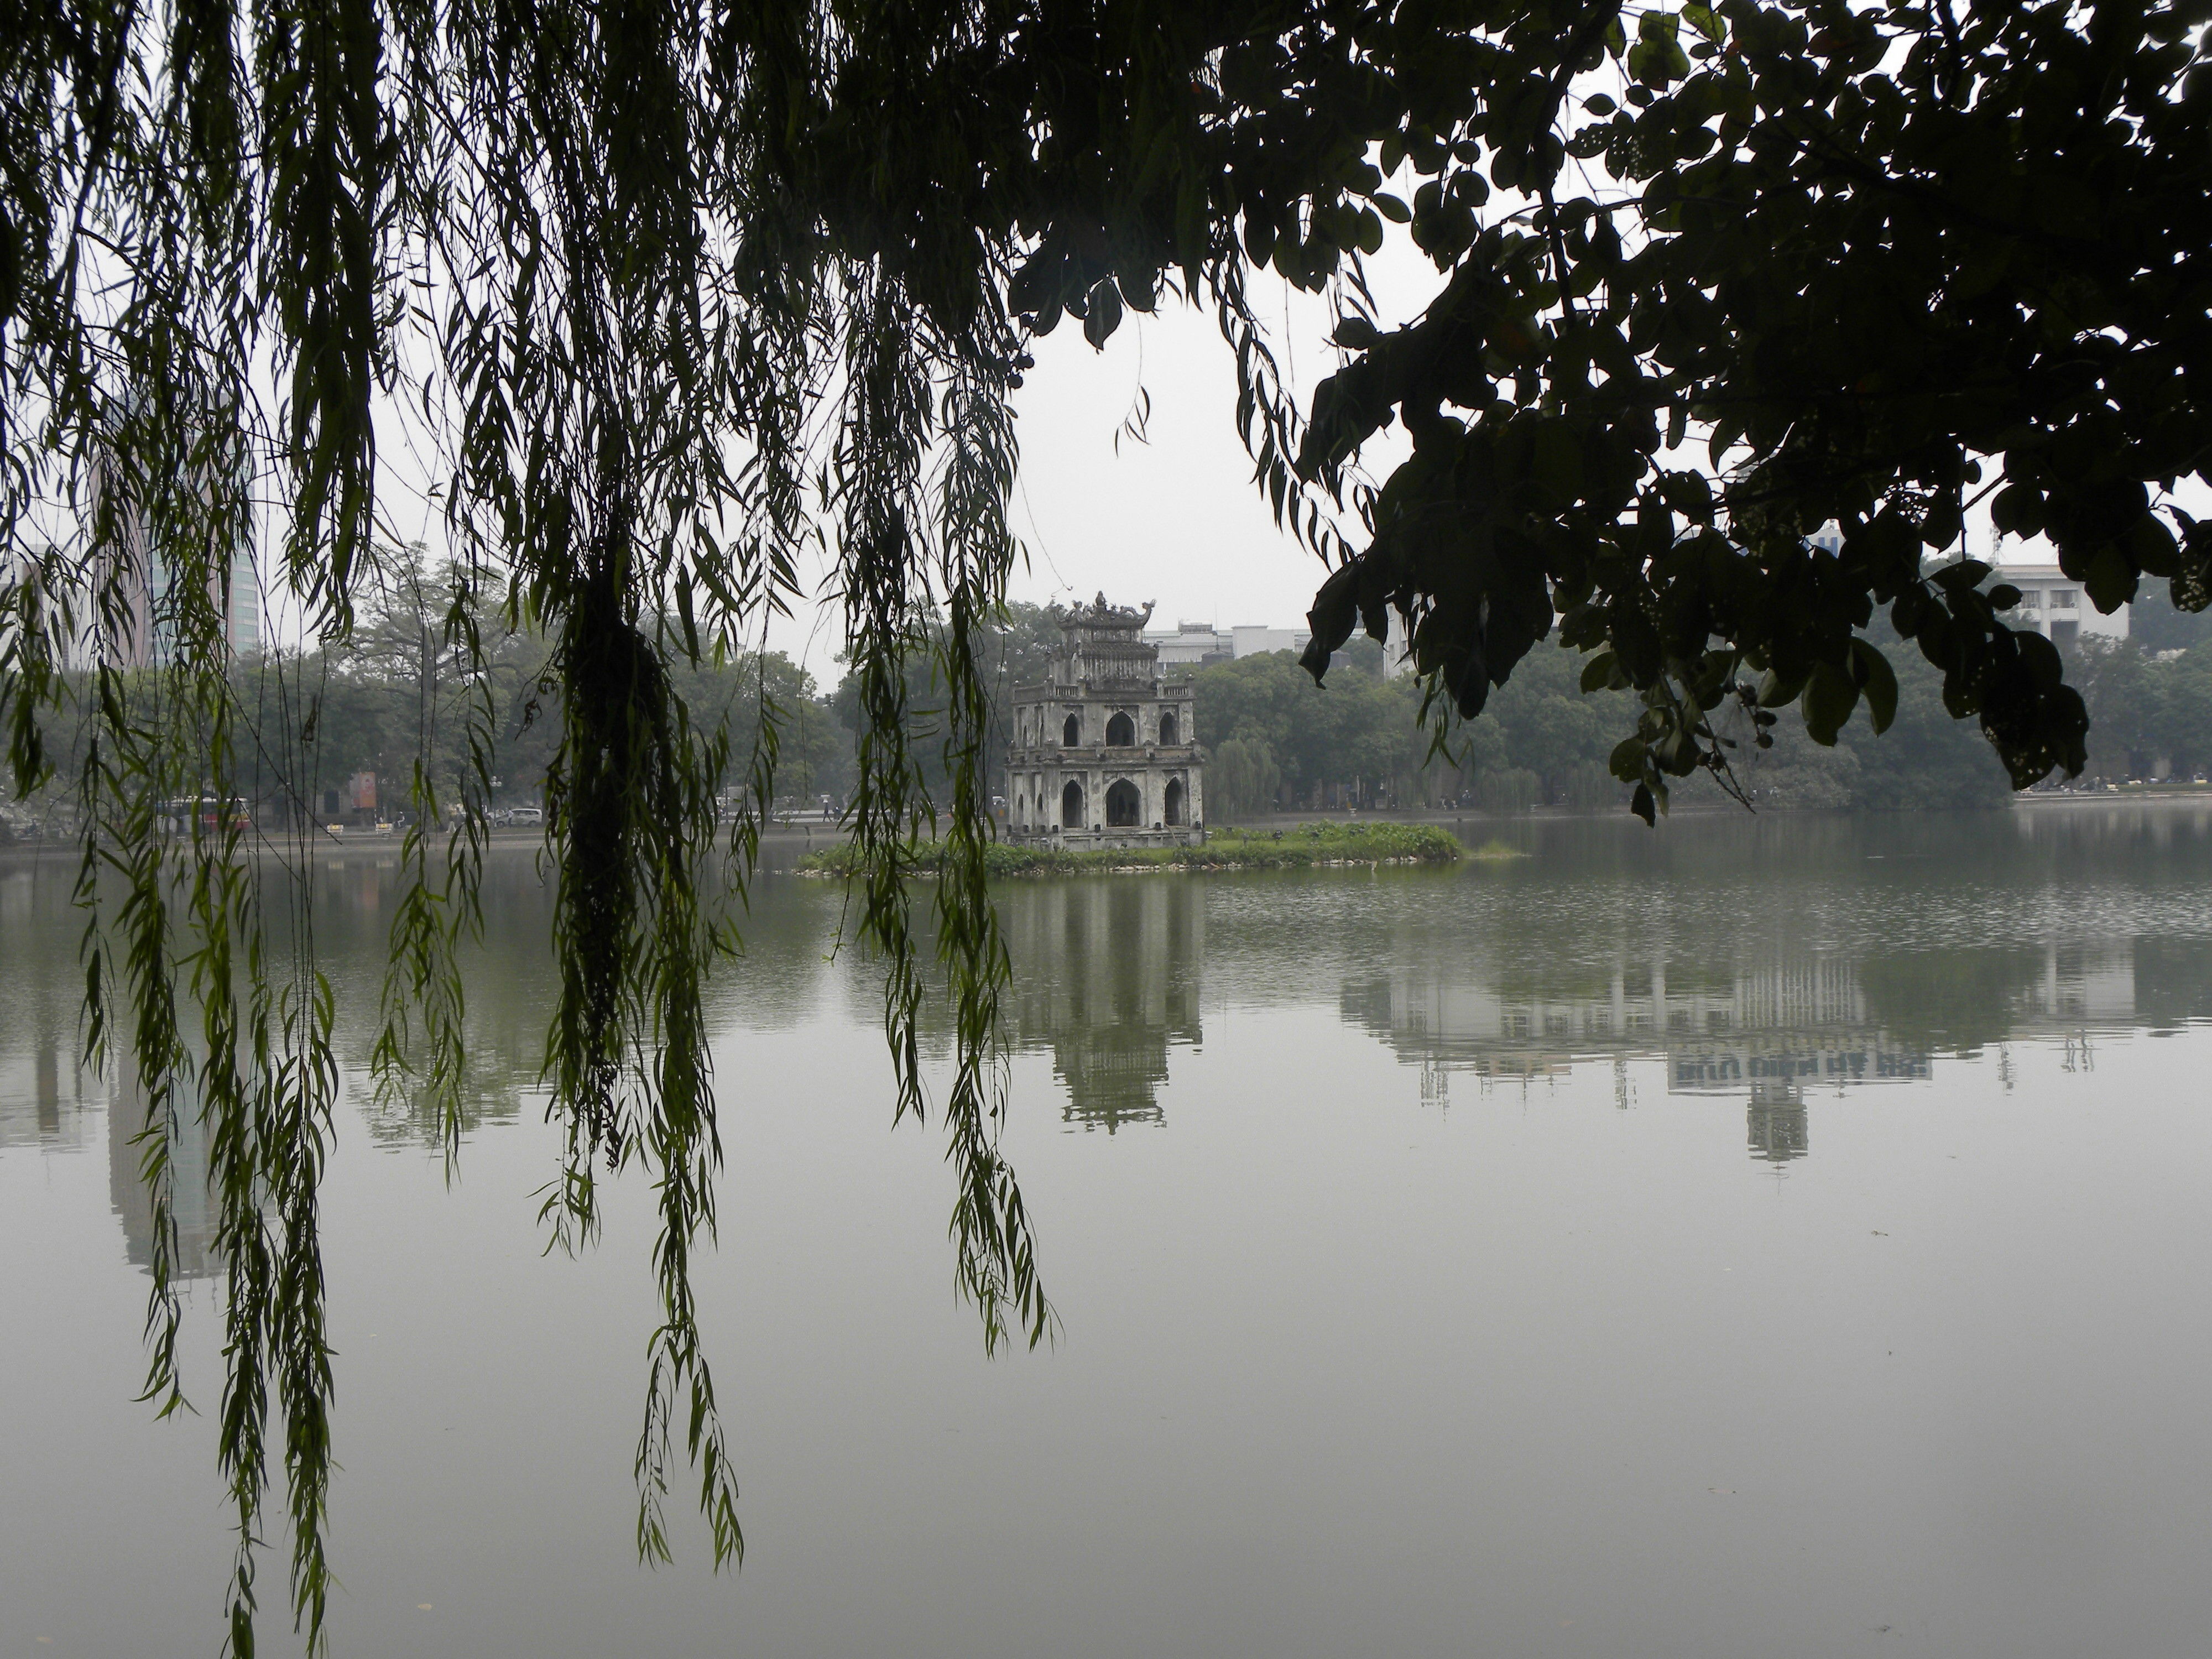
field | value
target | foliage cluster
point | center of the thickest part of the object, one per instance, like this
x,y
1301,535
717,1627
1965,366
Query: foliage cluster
x,y
2148,713
1012,649
1543,741
1886,262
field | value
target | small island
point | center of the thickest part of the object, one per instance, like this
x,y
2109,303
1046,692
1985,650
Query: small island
x,y
1307,846
1106,777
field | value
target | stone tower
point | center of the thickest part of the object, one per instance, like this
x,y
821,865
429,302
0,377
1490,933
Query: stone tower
x,y
1104,753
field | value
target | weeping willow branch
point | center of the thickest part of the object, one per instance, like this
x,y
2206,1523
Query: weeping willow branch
x,y
997,1253
655,355
425,990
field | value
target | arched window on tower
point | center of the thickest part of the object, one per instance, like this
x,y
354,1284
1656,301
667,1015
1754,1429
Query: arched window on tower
x,y
1170,733
1071,805
1124,806
1071,734
1121,731
1174,812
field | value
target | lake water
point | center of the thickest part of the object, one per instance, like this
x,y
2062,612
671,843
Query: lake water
x,y
1758,1238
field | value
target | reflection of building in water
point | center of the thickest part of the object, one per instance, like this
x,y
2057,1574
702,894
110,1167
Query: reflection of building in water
x,y
2092,980
191,1202
1106,974
1765,1031
1769,1032
44,1094
47,1097
1775,1125
1636,1007
1793,1058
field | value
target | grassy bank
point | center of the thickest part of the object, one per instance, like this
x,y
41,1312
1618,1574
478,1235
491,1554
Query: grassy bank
x,y
1308,845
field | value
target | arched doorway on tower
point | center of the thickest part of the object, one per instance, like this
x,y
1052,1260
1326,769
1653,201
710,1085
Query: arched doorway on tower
x,y
1125,807
1071,804
1170,733
1070,732
1121,731
1173,815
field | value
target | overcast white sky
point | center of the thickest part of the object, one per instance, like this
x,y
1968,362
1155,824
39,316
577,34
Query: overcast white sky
x,y
1175,519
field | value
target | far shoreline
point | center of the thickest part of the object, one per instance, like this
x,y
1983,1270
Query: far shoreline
x,y
802,837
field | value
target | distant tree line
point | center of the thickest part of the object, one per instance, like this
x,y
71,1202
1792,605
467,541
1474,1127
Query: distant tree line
x,y
1280,744
398,693
2149,696
1275,741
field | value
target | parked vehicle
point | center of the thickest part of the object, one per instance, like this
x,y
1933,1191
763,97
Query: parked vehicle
x,y
206,813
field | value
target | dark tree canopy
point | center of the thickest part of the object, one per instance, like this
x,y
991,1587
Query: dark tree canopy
x,y
661,296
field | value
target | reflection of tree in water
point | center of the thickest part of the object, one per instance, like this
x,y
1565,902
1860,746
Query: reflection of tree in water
x,y
1962,997
774,981
507,986
47,1097
2173,979
1107,976
491,1088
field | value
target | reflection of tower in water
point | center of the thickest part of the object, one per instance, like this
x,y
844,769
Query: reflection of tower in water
x,y
192,1204
1106,974
43,1095
1777,1127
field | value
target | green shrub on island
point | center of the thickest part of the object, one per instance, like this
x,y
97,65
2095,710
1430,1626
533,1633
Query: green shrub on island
x,y
1307,845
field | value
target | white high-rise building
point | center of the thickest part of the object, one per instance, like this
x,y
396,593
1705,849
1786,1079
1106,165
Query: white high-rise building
x,y
148,638
2050,601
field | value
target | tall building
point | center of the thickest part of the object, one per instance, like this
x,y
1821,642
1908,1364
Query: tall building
x,y
1103,752
2050,601
153,599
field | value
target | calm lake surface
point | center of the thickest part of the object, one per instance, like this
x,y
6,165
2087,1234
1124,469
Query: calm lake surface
x,y
1774,1237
